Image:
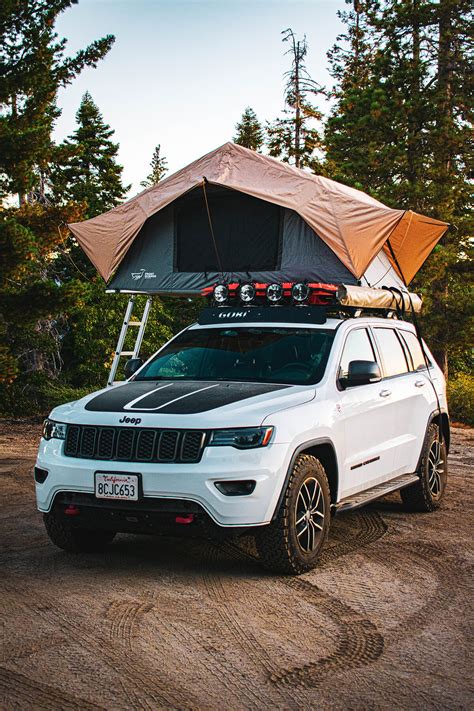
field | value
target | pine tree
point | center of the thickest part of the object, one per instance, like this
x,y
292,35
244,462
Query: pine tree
x,y
293,137
158,166
399,129
92,174
32,69
32,300
249,131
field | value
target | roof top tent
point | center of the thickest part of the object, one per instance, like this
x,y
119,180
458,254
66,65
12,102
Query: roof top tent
x,y
241,215
235,215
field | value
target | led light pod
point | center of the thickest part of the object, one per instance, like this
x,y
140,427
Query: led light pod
x,y
221,294
247,293
300,292
274,293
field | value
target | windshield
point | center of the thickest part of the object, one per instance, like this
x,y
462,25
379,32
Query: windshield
x,y
296,356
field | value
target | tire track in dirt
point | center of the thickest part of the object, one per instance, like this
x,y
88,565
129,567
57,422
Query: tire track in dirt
x,y
360,642
435,562
369,527
124,617
22,650
114,653
22,692
241,635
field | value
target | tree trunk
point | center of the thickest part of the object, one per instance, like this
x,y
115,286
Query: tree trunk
x,y
414,118
298,107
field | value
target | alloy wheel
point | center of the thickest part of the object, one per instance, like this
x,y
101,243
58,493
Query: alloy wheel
x,y
436,469
309,514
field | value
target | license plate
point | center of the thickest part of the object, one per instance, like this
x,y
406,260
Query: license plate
x,y
116,486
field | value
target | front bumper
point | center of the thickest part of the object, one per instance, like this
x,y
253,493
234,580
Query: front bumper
x,y
267,466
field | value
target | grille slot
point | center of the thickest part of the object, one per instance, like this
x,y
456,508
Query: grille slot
x,y
142,444
125,444
168,446
106,441
72,440
88,438
145,445
191,445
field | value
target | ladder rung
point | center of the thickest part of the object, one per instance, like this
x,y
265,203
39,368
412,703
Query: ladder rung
x,y
126,353
135,323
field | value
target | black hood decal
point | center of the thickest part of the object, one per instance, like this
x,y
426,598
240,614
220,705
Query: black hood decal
x,y
176,398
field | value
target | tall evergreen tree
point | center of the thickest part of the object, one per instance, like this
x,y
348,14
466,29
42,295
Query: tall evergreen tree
x,y
294,137
32,69
158,169
399,128
92,174
249,131
32,302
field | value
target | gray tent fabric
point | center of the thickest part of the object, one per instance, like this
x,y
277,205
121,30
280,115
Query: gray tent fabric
x,y
249,233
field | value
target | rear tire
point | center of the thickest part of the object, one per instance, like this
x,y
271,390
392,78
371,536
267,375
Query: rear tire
x,y
292,542
74,539
427,493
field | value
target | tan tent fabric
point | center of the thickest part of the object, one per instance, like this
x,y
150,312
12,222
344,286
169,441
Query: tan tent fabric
x,y
412,241
353,225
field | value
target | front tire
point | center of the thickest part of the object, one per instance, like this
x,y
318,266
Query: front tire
x,y
75,539
426,494
292,542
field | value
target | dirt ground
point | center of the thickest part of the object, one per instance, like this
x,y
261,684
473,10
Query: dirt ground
x,y
171,623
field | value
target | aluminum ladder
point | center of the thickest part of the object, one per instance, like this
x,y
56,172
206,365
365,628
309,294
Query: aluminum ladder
x,y
127,323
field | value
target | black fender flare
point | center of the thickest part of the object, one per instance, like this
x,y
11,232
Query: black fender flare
x,y
436,414
301,448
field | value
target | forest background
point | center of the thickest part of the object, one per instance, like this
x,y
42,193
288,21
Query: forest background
x,y
398,126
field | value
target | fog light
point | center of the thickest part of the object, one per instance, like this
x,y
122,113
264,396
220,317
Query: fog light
x,y
274,293
300,292
236,488
40,475
247,293
221,294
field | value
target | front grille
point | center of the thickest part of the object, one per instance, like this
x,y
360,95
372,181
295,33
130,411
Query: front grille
x,y
124,444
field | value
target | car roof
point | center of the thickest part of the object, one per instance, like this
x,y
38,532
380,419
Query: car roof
x,y
330,324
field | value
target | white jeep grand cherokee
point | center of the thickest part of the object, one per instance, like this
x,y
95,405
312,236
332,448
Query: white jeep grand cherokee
x,y
254,424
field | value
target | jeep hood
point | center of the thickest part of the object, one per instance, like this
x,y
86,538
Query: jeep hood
x,y
184,404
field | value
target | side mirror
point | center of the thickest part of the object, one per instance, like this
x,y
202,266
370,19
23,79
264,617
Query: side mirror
x,y
131,366
361,372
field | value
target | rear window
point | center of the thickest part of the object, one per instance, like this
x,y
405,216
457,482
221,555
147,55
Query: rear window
x,y
391,350
413,345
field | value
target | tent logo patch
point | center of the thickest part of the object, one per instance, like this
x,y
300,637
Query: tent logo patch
x,y
142,274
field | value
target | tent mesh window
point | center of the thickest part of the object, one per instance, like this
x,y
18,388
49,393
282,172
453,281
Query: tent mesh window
x,y
247,232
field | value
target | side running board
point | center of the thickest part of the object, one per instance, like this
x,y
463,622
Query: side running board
x,y
365,497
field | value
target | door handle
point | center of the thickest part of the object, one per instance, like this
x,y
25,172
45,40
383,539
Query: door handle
x,y
385,393
419,383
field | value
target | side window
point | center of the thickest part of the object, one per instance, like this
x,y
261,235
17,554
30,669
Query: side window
x,y
391,349
413,345
356,347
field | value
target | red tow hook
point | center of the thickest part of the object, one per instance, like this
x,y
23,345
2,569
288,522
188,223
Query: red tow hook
x,y
71,510
185,520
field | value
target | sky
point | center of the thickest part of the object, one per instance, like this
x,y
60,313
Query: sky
x,y
181,72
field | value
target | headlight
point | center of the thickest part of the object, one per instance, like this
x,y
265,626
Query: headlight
x,y
54,430
242,438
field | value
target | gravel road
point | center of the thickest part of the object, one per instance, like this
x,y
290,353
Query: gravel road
x,y
162,623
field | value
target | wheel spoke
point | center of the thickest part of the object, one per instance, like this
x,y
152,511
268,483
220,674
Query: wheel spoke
x,y
307,501
315,525
302,531
301,518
